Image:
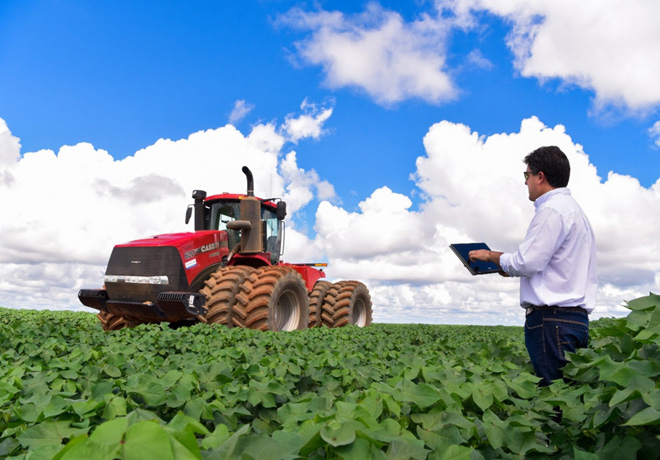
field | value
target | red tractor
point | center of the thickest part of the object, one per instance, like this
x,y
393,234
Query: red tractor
x,y
227,271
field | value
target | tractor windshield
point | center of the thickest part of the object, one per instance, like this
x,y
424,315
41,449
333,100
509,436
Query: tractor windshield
x,y
223,212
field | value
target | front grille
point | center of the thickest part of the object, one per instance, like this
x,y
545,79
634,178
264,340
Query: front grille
x,y
138,274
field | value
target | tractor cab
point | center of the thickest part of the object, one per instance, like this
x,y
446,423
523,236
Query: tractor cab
x,y
223,209
254,226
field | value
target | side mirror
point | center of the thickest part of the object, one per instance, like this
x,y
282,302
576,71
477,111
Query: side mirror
x,y
281,210
189,213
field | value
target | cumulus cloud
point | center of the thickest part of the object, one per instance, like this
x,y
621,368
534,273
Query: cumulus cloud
x,y
473,190
376,52
601,47
10,152
65,210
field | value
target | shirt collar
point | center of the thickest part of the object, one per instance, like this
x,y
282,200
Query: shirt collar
x,y
547,195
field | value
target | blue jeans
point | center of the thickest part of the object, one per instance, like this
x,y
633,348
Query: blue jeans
x,y
551,333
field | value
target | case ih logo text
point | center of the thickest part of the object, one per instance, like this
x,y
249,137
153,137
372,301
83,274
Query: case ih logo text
x,y
206,248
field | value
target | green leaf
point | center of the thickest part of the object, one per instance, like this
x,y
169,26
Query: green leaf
x,y
102,389
7,446
110,432
179,395
456,453
652,398
361,449
85,407
148,387
433,420
217,438
392,406
84,449
73,442
147,439
620,448
170,378
48,433
482,396
265,448
582,455
337,433
626,372
185,430
422,394
230,449
495,430
526,385
406,449
644,303
624,395
111,371
115,408
648,416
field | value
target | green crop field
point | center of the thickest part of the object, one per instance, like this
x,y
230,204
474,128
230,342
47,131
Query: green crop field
x,y
68,390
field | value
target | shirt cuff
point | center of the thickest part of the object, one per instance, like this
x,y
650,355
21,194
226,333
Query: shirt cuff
x,y
505,262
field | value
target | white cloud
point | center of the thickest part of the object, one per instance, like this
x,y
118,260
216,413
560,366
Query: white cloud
x,y
301,183
64,211
654,132
10,146
308,124
240,111
471,186
608,47
10,151
477,59
377,52
473,190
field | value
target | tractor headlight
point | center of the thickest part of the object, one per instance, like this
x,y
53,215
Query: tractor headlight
x,y
158,279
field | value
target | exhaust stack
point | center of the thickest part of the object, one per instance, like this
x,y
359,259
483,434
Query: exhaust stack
x,y
250,223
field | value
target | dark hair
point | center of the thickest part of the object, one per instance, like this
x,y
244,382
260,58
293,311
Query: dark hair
x,y
554,164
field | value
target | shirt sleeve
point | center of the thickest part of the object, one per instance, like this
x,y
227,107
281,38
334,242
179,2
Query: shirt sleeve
x,y
544,236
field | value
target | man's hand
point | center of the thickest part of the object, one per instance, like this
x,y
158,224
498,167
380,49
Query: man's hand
x,y
485,255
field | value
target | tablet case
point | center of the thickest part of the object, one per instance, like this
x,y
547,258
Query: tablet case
x,y
478,267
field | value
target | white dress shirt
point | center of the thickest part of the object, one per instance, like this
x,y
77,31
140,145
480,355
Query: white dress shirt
x,y
557,259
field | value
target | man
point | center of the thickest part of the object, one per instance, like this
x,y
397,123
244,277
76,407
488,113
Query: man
x,y
556,264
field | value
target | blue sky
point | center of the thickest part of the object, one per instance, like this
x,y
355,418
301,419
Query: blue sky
x,y
118,76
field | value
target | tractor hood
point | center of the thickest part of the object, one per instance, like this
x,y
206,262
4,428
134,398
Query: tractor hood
x,y
194,252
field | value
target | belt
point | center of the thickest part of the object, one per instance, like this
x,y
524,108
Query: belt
x,y
533,308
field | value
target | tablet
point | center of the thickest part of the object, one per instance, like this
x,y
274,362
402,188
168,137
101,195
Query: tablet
x,y
478,267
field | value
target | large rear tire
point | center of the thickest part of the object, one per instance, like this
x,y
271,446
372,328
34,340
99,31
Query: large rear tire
x,y
316,297
110,322
272,298
347,302
220,291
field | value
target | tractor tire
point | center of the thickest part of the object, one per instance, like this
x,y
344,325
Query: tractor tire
x,y
328,306
272,298
347,302
316,297
220,292
110,322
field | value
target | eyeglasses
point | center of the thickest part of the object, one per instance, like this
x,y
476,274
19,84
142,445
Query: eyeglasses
x,y
527,174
